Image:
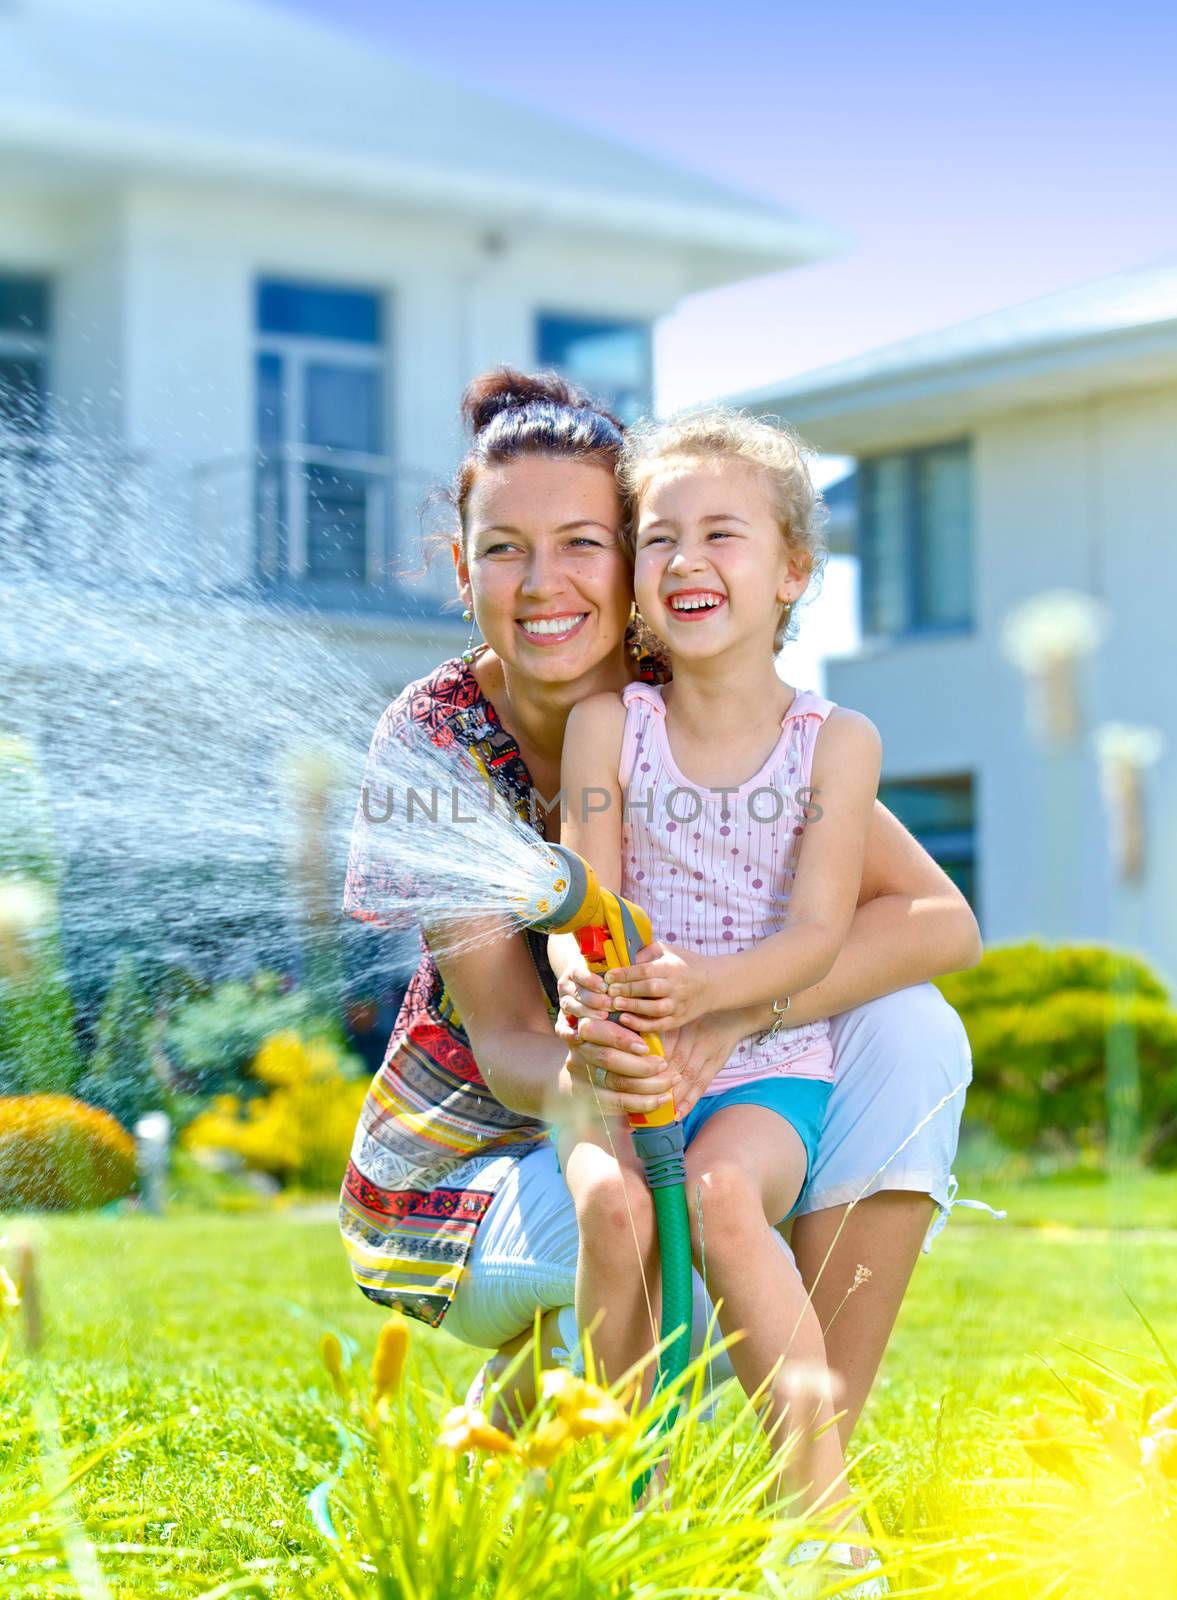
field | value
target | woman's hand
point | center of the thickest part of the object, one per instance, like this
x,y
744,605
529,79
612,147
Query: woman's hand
x,y
612,1070
582,997
698,1051
664,989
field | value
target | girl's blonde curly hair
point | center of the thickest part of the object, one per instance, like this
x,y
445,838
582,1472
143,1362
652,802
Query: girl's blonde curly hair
x,y
717,434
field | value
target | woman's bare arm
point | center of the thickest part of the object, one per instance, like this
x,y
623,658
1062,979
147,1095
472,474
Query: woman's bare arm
x,y
912,923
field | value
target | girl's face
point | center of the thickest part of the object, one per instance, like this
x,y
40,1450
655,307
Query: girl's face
x,y
711,565
544,566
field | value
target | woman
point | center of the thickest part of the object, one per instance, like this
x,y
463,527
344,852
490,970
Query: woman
x,y
452,1208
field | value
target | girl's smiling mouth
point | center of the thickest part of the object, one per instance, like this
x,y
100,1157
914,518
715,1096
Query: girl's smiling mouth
x,y
551,629
695,603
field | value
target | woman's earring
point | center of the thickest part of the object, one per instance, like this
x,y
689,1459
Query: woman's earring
x,y
471,649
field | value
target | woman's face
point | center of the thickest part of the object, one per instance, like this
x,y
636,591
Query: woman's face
x,y
544,566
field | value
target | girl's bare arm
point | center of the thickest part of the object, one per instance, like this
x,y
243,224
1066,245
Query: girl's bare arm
x,y
912,924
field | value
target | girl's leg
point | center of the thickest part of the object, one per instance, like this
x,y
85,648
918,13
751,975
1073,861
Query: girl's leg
x,y
745,1167
618,1285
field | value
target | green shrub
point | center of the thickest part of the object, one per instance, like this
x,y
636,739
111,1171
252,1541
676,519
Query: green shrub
x,y
1038,1019
59,1155
38,1044
212,1041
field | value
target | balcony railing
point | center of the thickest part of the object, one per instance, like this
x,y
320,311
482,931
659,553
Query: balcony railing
x,y
308,529
318,529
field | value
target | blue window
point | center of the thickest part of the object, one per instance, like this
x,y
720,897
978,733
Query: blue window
x,y
940,813
323,478
915,531
24,331
611,359
312,311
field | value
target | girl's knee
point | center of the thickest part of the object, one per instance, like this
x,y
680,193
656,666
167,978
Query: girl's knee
x,y
612,1203
725,1207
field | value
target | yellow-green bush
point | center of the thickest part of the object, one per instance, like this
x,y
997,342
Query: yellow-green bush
x,y
1038,1018
57,1154
301,1131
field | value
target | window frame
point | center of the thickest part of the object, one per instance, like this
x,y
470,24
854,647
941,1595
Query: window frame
x,y
287,559
948,847
601,322
915,624
32,344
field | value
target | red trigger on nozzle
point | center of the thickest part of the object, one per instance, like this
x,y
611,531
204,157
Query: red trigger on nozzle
x,y
591,941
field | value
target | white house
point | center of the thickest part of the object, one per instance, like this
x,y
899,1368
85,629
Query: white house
x,y
261,259
247,265
1026,451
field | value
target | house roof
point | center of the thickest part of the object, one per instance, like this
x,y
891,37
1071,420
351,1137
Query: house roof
x,y
246,91
1117,332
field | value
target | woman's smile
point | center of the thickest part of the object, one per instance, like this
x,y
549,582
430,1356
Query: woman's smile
x,y
551,629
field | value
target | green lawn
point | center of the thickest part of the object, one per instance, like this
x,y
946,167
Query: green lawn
x,y
204,1331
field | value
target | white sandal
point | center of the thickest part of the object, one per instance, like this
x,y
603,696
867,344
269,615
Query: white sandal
x,y
870,1585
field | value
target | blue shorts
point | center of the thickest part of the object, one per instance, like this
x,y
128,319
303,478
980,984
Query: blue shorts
x,y
801,1101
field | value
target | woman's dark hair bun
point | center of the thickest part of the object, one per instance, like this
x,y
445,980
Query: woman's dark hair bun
x,y
507,389
514,415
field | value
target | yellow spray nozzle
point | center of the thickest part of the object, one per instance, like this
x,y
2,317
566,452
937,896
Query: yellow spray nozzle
x,y
610,931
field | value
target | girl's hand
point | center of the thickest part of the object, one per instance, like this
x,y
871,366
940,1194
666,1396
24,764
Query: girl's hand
x,y
666,989
698,1051
614,1071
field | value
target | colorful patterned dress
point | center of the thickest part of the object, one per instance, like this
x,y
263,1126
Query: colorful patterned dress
x,y
432,1144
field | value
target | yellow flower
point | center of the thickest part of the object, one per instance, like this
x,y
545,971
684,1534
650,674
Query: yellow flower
x,y
1045,1448
1119,1438
388,1364
584,1407
542,1446
1166,1417
332,1352
282,1059
1159,1450
467,1428
1095,1404
322,1060
9,1293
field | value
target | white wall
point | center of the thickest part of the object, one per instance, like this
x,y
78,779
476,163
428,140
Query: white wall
x,y
1085,497
75,240
194,257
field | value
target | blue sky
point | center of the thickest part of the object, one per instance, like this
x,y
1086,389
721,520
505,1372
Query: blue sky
x,y
975,159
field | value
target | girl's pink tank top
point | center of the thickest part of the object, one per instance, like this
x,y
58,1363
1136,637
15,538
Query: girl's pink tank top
x,y
714,867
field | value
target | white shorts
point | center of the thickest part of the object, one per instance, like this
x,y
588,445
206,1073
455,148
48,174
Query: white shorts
x,y
902,1065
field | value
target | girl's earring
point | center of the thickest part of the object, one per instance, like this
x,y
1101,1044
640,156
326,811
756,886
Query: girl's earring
x,y
471,649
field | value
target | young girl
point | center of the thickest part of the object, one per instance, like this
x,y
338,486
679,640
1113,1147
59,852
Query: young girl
x,y
735,809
